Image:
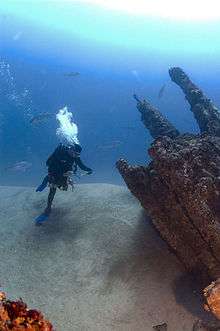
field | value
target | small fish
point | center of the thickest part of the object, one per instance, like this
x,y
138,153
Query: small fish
x,y
135,73
21,166
161,91
40,118
72,74
113,145
17,36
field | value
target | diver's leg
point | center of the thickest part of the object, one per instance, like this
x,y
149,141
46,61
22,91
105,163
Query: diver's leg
x,y
43,217
51,195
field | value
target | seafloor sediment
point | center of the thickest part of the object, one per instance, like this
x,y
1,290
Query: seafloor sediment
x,y
97,264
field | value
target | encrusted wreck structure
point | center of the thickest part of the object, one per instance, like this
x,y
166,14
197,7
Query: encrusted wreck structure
x,y
15,316
180,188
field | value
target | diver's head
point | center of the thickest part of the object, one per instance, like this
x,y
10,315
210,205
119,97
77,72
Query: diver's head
x,y
74,150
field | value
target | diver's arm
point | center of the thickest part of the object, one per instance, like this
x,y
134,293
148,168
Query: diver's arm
x,y
82,166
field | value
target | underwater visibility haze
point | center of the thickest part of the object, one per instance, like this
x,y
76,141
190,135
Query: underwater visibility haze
x,y
77,80
91,57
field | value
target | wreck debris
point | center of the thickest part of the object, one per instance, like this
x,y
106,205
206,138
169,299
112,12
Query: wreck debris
x,y
206,114
180,188
156,123
160,327
212,297
15,316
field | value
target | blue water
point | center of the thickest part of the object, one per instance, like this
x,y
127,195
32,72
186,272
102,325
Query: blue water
x,y
116,55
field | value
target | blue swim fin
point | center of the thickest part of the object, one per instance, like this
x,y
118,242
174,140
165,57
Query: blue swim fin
x,y
40,188
41,218
43,185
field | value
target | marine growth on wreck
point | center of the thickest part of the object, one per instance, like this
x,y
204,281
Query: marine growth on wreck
x,y
180,187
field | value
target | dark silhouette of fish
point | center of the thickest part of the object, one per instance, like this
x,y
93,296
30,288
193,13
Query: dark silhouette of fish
x,y
21,166
40,118
161,91
72,74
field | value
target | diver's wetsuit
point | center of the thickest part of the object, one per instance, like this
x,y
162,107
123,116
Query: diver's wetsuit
x,y
58,164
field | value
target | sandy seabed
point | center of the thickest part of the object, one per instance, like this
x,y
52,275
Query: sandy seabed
x,y
97,264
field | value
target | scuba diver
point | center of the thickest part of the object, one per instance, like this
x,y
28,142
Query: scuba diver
x,y
62,164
